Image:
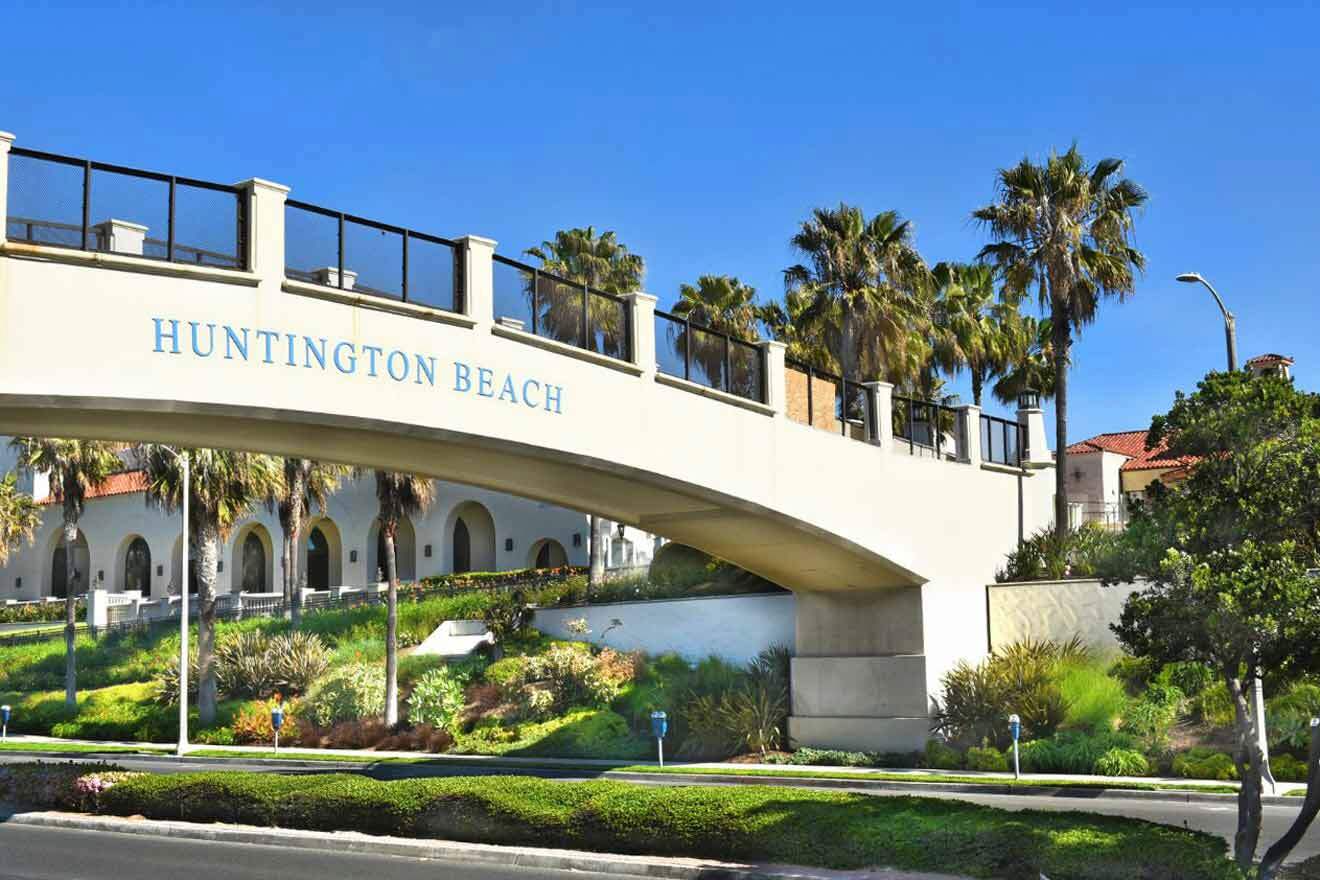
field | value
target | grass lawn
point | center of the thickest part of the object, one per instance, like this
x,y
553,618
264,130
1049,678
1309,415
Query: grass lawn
x,y
751,823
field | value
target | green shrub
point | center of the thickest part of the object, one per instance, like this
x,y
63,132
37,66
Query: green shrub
x,y
348,693
1191,679
40,612
1121,762
1214,705
1095,699
53,784
1286,768
1070,751
1044,556
941,757
754,823
506,615
1151,718
988,758
584,733
298,660
437,698
1204,763
243,667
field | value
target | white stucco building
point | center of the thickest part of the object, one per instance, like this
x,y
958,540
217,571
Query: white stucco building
x,y
126,545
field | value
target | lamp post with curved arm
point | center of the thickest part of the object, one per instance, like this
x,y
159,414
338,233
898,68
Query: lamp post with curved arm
x,y
1230,322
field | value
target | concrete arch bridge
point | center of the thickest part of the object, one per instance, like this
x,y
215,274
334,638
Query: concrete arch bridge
x,y
137,305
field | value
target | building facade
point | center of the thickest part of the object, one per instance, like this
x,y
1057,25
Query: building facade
x,y
125,545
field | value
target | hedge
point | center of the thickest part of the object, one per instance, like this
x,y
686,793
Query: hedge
x,y
752,823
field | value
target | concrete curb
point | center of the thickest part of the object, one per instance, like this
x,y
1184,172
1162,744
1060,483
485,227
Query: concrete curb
x,y
452,851
861,783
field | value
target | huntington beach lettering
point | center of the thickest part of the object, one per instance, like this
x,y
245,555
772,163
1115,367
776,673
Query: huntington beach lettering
x,y
206,340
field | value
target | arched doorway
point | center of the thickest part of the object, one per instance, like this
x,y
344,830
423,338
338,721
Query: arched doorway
x,y
137,567
547,553
59,566
472,538
405,552
252,559
318,560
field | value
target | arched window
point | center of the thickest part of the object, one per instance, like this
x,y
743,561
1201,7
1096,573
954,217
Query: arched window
x,y
137,567
59,568
318,560
551,554
254,565
462,547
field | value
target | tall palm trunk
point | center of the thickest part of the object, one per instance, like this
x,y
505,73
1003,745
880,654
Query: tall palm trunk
x,y
1062,349
207,547
978,384
293,540
70,608
848,344
596,574
391,629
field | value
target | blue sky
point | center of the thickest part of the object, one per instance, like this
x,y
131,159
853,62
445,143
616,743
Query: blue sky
x,y
704,133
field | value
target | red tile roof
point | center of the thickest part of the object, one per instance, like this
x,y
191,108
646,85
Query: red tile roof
x,y
1133,445
124,483
1265,360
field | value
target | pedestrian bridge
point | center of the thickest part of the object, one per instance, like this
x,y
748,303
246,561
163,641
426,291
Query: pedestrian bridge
x,y
144,306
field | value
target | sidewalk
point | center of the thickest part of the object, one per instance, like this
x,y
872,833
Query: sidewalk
x,y
768,771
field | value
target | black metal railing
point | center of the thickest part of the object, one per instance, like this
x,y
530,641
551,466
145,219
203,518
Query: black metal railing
x,y
852,408
1002,441
698,353
339,250
60,201
545,305
927,426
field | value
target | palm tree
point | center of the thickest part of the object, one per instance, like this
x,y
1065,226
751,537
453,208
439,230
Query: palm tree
x,y
19,517
809,335
223,486
1032,368
723,303
1064,229
399,495
306,482
600,262
867,273
75,467
605,264
973,328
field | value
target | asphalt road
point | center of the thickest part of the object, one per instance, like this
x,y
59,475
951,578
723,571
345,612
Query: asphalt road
x,y
61,854
1218,817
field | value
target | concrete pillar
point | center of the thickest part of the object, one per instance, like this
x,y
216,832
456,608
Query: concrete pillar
x,y
882,404
98,609
329,276
265,229
772,359
969,419
478,279
1032,420
6,140
121,237
642,315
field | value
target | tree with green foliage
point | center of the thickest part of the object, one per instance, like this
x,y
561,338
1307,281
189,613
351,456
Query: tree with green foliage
x,y
399,496
604,263
723,303
19,516
1063,229
223,485
974,327
306,482
867,274
1031,368
74,468
1228,553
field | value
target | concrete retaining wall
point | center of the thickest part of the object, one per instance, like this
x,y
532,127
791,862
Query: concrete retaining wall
x,y
1056,610
736,628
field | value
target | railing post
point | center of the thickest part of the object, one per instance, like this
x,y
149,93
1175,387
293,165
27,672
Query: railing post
x,y
6,141
969,418
1032,419
265,229
881,396
641,329
479,278
773,375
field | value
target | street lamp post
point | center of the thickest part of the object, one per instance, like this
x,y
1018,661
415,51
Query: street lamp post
x,y
183,606
1230,322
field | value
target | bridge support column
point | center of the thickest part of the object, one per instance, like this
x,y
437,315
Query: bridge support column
x,y
642,330
970,417
478,280
776,386
859,673
6,140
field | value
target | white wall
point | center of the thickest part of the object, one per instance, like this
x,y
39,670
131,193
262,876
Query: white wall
x,y
736,628
1057,610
